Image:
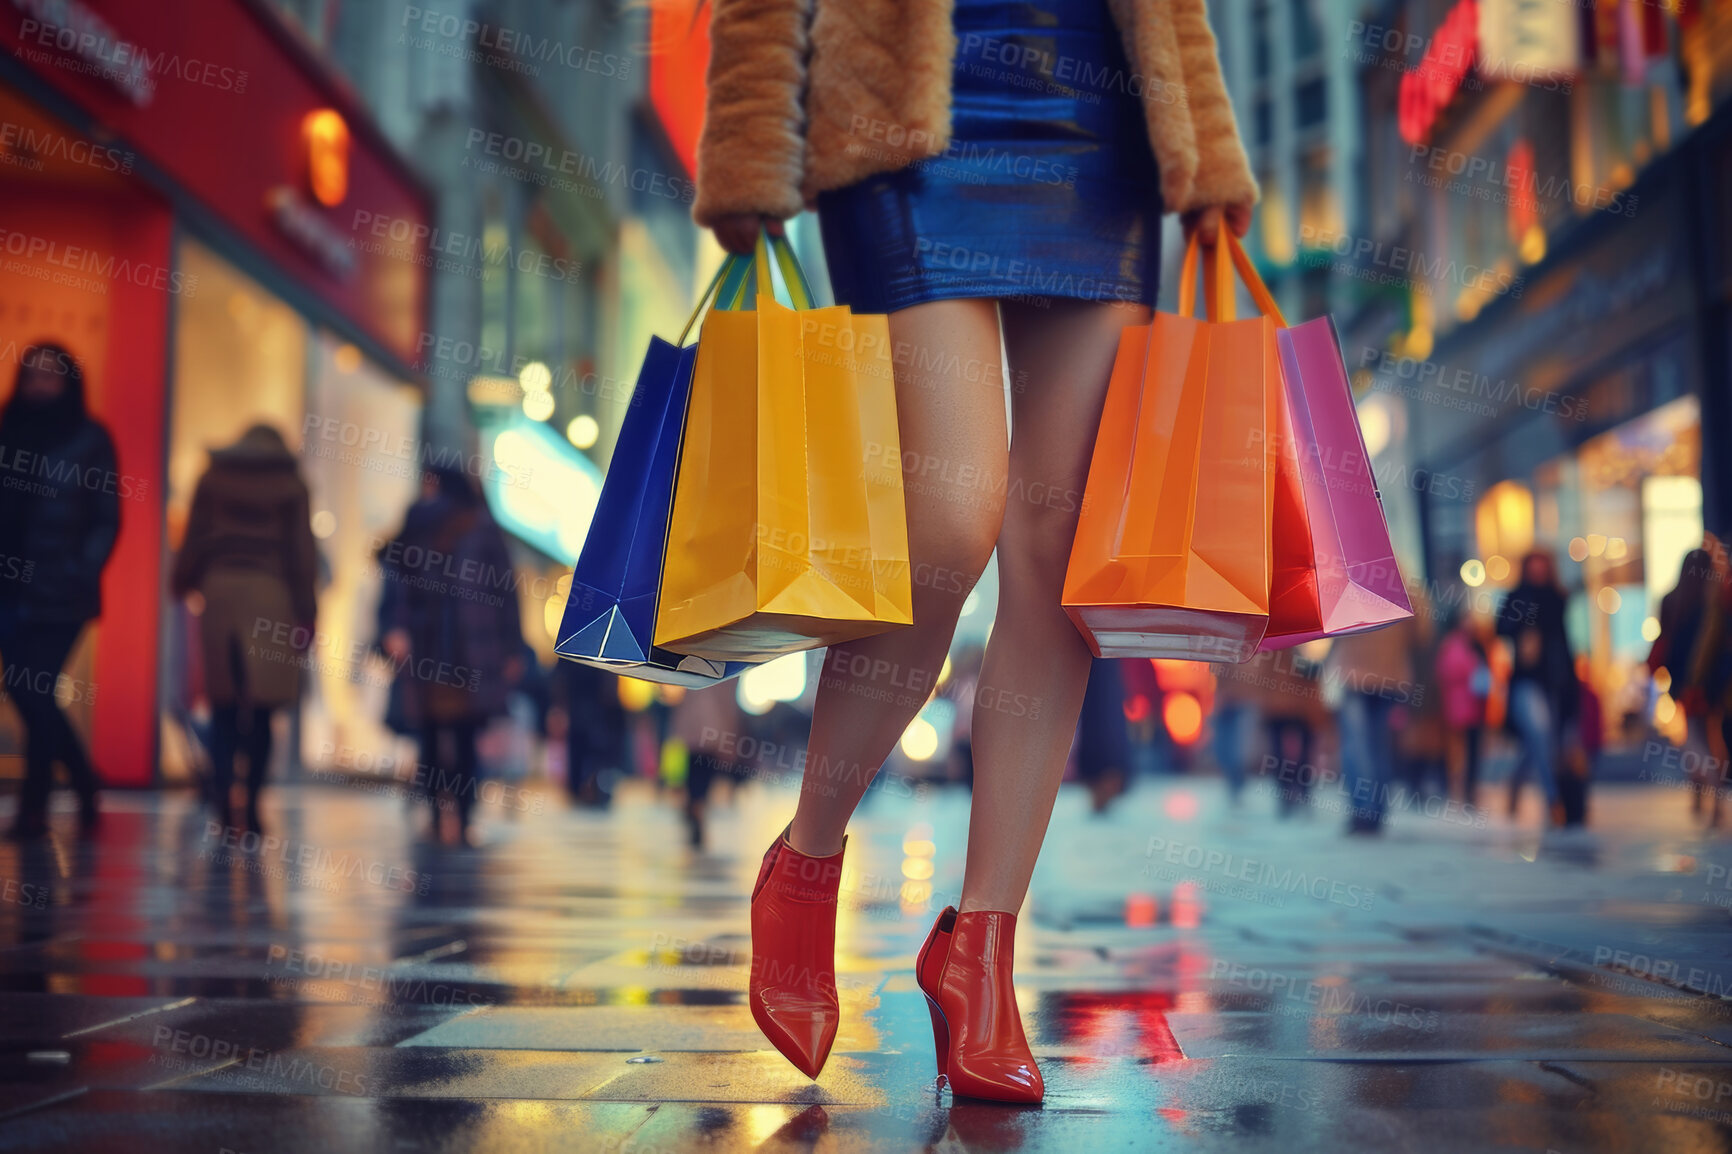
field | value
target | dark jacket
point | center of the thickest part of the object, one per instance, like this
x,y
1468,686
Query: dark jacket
x,y
59,517
250,514
1540,609
450,584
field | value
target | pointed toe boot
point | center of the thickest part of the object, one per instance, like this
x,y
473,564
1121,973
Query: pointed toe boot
x,y
965,972
792,989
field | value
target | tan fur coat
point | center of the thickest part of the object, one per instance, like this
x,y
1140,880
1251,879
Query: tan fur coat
x,y
875,77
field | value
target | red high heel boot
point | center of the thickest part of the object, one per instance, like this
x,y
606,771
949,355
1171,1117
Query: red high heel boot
x,y
964,971
792,990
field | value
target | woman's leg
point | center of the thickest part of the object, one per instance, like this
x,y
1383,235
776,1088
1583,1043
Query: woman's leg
x,y
1036,665
950,405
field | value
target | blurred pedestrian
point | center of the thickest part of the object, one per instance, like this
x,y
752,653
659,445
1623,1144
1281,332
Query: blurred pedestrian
x,y
455,634
1580,751
707,722
1691,648
1231,724
961,688
248,554
1374,673
58,534
1543,691
1464,683
1103,741
589,717
1288,699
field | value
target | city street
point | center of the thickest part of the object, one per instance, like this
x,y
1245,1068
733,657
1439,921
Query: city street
x,y
1191,978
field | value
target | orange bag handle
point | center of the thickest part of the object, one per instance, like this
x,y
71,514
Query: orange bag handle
x,y
1218,282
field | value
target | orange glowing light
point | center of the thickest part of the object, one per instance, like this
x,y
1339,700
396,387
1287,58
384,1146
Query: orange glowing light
x,y
1136,708
1141,910
1184,718
1181,806
327,138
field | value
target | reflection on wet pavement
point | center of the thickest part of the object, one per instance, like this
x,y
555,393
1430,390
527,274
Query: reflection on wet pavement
x,y
1191,978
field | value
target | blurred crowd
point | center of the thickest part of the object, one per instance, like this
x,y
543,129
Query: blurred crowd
x,y
1406,717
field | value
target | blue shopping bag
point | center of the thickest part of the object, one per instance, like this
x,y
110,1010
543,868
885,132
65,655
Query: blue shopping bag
x,y
610,613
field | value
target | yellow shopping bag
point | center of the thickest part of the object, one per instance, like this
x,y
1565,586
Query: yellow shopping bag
x,y
788,529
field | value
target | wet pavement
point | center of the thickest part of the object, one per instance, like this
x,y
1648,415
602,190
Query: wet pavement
x,y
1192,978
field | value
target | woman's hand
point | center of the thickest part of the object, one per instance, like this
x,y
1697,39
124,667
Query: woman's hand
x,y
1205,223
738,232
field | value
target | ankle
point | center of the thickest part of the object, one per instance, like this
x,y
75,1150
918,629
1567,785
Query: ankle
x,y
970,905
802,843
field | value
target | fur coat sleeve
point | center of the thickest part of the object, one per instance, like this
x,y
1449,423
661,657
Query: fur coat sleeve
x,y
752,152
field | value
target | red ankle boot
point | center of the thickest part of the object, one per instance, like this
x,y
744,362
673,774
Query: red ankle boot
x,y
965,971
792,989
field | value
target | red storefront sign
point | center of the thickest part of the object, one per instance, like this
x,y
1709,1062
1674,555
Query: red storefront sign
x,y
1427,90
240,115
679,55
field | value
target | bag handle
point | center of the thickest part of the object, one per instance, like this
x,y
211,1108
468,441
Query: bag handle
x,y
793,277
1218,281
734,284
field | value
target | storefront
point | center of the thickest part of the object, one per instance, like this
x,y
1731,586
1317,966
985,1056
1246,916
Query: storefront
x,y
1572,418
178,186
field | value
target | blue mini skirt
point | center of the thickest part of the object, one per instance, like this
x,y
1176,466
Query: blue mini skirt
x,y
1049,187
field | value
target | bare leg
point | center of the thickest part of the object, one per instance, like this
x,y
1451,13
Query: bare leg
x,y
1037,664
950,404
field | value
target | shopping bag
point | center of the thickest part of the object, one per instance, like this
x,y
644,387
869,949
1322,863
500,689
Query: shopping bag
x,y
609,617
788,529
1172,551
1335,568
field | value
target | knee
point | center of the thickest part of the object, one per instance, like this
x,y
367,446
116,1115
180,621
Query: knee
x,y
955,545
1036,542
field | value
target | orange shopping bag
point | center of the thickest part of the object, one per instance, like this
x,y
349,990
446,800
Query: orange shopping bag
x,y
1172,554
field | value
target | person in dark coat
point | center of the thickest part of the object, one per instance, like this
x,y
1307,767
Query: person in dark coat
x,y
454,633
1103,738
59,517
1543,691
249,554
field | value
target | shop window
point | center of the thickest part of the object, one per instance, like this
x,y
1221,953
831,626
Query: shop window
x,y
1260,55
1307,34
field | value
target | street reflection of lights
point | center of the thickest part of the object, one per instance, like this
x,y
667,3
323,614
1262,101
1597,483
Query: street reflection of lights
x,y
1609,600
324,523
1596,544
1617,548
1578,549
1187,907
583,431
535,377
538,406
920,739
915,895
1665,709
1497,567
917,868
918,846
1181,806
1650,628
1141,910
1663,679
1473,573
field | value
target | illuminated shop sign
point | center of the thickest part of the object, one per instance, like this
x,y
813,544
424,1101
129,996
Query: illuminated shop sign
x,y
327,139
1427,90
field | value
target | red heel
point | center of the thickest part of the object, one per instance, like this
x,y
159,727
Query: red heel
x,y
792,988
967,981
928,974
